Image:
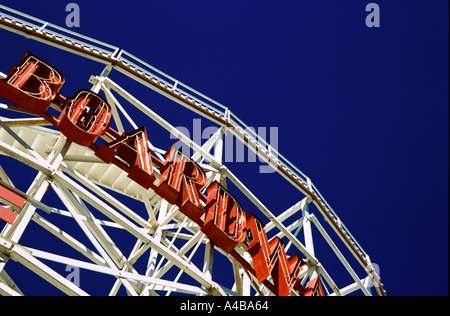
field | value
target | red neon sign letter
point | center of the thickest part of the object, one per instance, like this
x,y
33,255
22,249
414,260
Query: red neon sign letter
x,y
130,152
181,182
32,85
225,219
269,258
85,117
312,288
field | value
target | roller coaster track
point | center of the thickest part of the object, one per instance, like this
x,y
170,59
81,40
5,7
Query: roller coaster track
x,y
118,59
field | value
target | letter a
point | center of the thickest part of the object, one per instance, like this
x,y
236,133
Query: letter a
x,y
73,19
74,276
373,19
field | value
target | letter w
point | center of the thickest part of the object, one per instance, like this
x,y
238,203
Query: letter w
x,y
269,258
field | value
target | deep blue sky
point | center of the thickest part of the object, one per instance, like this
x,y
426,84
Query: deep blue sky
x,y
362,111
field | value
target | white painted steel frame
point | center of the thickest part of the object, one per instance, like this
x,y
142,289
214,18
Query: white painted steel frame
x,y
72,204
156,234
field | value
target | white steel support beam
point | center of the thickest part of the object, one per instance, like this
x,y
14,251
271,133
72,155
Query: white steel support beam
x,y
7,291
24,122
4,176
158,119
338,253
208,259
189,259
23,256
162,214
97,238
69,240
107,197
346,290
150,210
159,283
288,213
22,142
320,269
208,146
242,281
269,215
309,244
36,191
112,101
197,238
218,153
6,279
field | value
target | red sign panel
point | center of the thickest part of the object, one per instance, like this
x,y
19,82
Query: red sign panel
x,y
11,198
7,215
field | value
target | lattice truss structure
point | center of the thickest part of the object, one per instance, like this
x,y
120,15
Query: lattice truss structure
x,y
91,207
